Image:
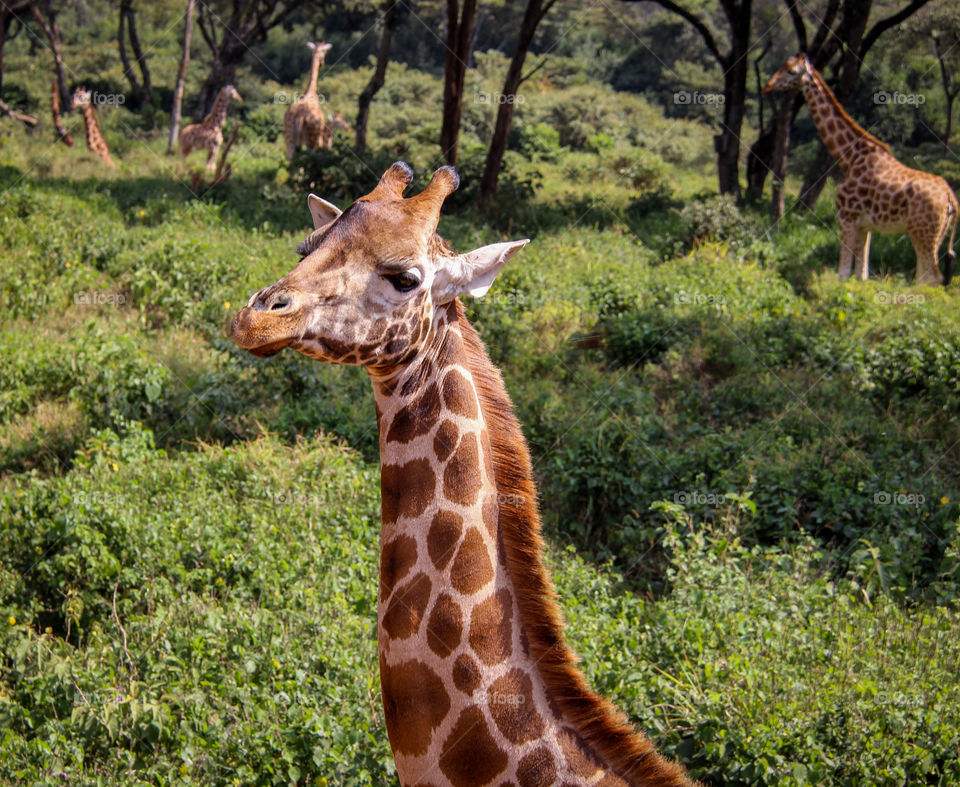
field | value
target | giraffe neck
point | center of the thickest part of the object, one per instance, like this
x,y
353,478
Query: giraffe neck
x,y
311,91
219,112
845,140
92,125
477,682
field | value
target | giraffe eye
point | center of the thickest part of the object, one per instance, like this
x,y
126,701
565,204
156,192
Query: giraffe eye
x,y
404,282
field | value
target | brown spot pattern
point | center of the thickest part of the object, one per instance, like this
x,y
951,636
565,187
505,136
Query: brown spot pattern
x,y
491,515
466,674
406,490
461,479
511,704
443,536
471,569
537,769
470,754
396,559
414,704
445,440
445,626
458,395
491,628
407,607
417,418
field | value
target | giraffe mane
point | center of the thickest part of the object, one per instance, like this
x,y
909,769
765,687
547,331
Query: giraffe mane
x,y
822,84
594,718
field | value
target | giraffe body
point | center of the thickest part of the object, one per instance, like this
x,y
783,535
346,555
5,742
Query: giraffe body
x,y
478,686
304,122
878,193
96,142
208,134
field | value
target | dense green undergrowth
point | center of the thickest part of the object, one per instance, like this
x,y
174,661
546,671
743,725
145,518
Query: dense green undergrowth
x,y
209,618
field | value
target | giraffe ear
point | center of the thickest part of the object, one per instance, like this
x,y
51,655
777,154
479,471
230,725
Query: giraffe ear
x,y
323,212
478,268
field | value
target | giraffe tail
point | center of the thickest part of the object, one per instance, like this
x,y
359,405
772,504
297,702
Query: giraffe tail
x,y
951,259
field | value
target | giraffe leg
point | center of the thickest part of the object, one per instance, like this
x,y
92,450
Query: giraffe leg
x,y
848,247
212,157
861,254
925,245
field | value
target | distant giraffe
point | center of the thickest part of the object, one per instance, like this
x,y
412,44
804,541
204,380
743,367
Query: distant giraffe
x,y
95,138
336,123
879,194
303,123
208,133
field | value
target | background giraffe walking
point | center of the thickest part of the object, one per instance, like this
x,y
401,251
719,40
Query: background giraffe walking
x,y
208,134
478,685
303,122
878,194
95,139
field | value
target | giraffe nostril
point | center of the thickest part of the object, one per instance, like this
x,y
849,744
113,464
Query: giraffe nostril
x,y
272,302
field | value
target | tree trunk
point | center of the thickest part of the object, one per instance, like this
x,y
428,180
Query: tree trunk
x,y
501,130
727,142
138,54
51,30
62,134
781,145
459,35
128,72
181,75
379,73
949,94
223,71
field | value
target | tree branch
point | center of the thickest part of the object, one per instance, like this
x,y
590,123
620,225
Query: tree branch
x,y
883,25
799,27
697,23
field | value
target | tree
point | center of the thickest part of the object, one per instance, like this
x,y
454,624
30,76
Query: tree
x,y
536,10
734,63
459,38
128,27
231,34
391,10
8,14
940,26
181,75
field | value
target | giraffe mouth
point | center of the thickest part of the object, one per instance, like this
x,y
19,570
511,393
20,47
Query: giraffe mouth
x,y
268,350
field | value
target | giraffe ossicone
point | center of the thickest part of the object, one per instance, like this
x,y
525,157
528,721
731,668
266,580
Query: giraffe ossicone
x,y
878,193
478,685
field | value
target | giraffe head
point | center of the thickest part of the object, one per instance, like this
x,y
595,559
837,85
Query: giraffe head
x,y
231,92
372,279
320,49
792,75
338,121
81,97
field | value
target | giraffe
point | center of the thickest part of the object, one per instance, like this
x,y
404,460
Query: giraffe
x,y
208,133
303,123
478,685
336,122
878,194
95,139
